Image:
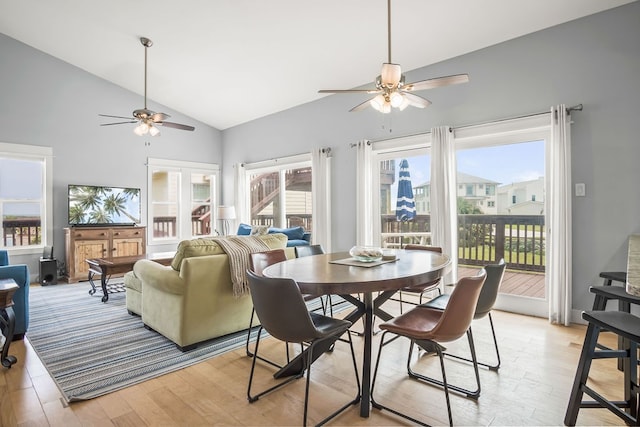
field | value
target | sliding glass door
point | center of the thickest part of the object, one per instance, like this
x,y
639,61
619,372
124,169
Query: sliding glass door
x,y
501,214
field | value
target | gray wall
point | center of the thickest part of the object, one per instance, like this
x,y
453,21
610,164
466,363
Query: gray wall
x,y
47,102
594,61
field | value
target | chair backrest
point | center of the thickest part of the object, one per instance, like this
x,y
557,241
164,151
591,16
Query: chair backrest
x,y
458,314
281,308
261,260
308,250
437,249
489,293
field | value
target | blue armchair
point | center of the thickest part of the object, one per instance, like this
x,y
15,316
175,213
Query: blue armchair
x,y
20,274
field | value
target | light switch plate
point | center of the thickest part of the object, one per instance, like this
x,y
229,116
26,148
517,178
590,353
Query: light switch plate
x,y
580,190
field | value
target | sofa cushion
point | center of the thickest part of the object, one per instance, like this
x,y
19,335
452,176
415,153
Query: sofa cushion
x,y
193,248
208,246
244,230
292,233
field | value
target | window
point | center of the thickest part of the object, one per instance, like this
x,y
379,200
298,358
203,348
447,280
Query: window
x,y
182,197
469,191
25,196
514,199
280,193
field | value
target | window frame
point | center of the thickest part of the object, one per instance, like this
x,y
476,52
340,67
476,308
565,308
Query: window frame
x,y
45,155
280,165
185,201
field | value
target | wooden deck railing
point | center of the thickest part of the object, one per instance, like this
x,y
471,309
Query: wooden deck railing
x,y
21,232
519,239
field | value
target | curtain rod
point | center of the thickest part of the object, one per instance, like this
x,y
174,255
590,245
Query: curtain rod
x,y
577,107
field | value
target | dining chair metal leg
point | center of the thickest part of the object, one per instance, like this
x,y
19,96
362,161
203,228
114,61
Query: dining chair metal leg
x,y
250,354
374,402
308,361
253,367
486,365
355,368
473,394
444,383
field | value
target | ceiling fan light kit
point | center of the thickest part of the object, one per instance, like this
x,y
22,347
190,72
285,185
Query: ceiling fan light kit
x,y
147,120
391,90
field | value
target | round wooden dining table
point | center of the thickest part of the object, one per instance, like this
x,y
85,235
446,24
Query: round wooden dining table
x,y
338,273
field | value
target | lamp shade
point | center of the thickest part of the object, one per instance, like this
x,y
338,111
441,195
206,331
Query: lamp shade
x,y
226,212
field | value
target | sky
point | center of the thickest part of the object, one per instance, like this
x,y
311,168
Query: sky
x,y
504,164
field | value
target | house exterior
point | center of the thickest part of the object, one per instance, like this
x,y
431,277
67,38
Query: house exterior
x,y
480,192
522,198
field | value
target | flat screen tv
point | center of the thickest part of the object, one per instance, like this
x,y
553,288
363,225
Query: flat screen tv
x,y
91,205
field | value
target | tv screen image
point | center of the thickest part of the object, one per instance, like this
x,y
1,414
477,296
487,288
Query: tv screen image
x,y
95,205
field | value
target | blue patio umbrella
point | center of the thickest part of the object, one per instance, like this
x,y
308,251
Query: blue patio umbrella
x,y
405,205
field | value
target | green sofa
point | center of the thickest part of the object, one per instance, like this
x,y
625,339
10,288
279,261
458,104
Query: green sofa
x,y
192,300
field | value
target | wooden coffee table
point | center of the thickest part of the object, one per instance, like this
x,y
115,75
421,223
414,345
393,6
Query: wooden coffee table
x,y
106,267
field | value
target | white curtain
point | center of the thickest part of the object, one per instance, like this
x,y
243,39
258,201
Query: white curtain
x,y
364,194
321,197
559,251
444,209
242,210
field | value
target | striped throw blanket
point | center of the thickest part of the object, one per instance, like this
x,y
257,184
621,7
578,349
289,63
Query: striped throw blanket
x,y
238,249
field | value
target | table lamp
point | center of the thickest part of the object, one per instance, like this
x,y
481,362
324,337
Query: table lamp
x,y
226,213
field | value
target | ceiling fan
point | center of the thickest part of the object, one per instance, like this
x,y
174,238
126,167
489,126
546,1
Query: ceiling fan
x,y
391,89
148,121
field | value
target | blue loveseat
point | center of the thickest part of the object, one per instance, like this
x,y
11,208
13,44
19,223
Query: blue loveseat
x,y
296,236
20,274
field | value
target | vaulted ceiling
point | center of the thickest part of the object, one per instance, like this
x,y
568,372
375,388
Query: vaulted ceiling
x,y
226,62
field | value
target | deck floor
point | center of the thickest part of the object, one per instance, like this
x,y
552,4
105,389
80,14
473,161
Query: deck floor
x,y
514,282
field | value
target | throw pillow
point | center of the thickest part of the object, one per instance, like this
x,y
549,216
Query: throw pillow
x,y
259,230
244,230
293,233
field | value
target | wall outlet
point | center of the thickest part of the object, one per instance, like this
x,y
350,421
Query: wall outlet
x,y
580,190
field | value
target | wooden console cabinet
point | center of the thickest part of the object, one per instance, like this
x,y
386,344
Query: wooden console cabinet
x,y
82,243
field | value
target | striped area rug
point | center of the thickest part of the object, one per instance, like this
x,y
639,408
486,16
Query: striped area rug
x,y
91,348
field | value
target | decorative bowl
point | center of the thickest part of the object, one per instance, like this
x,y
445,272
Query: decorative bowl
x,y
366,253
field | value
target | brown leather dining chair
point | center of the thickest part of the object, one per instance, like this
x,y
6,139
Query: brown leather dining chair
x,y
486,301
433,327
422,288
296,324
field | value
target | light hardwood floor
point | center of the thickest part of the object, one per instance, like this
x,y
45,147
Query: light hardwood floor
x,y
531,388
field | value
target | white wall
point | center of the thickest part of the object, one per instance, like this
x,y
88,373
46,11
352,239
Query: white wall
x,y
594,61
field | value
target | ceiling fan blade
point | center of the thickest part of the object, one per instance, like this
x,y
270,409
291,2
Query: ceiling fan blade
x,y
159,117
437,82
361,106
115,117
175,125
417,101
349,91
118,123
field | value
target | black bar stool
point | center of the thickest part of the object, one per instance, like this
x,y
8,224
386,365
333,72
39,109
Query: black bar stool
x,y
625,325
